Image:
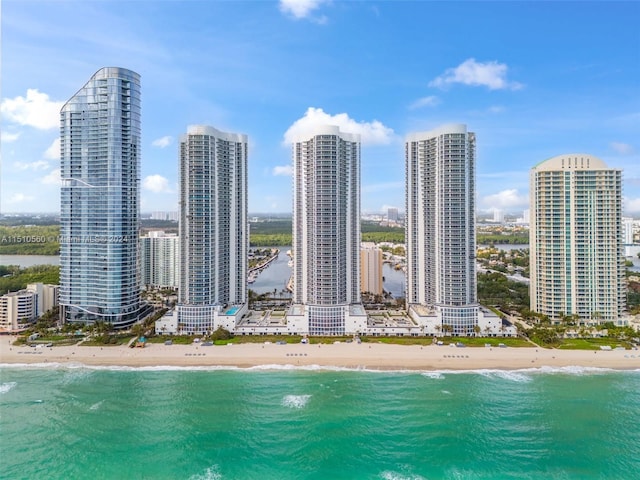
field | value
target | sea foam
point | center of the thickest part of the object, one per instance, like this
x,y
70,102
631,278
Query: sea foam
x,y
435,374
210,473
295,401
5,387
387,475
513,376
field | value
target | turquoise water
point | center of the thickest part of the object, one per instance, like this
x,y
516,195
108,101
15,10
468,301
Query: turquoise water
x,y
232,310
58,422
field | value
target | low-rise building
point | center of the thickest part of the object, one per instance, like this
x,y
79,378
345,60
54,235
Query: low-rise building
x,y
19,309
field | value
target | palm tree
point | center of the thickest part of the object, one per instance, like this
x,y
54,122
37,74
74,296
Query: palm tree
x,y
137,330
446,328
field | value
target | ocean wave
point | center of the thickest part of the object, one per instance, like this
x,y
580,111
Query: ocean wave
x,y
210,473
295,401
436,374
5,387
513,376
97,405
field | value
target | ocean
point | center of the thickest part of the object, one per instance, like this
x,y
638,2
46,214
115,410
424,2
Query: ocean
x,y
75,422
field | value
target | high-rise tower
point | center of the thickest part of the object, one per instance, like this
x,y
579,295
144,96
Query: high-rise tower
x,y
159,259
440,226
576,239
99,207
326,227
214,239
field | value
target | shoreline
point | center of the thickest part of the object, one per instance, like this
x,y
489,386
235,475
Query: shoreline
x,y
351,356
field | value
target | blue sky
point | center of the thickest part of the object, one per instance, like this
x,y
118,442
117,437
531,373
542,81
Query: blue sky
x,y
532,79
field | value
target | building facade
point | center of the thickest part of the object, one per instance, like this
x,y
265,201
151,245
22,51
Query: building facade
x,y
371,269
214,237
99,200
576,240
159,260
19,309
440,227
46,296
326,227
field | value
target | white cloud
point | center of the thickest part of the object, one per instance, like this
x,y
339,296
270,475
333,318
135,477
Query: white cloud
x,y
301,8
371,133
282,170
430,101
37,165
622,148
156,183
34,110
506,200
632,206
53,178
19,198
162,142
386,207
53,152
496,109
490,74
6,137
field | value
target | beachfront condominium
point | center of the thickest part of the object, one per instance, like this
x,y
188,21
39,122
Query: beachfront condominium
x,y
576,240
159,259
326,228
440,228
213,229
99,200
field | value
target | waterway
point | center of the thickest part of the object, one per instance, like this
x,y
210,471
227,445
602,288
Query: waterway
x,y
29,260
277,274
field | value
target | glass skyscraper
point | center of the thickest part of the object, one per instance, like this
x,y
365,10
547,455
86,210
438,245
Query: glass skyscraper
x,y
214,238
326,227
576,240
99,217
440,226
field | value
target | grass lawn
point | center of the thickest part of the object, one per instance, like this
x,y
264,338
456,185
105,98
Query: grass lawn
x,y
470,341
591,343
493,341
114,340
177,339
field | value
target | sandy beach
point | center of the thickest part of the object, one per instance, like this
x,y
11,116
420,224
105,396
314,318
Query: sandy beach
x,y
375,356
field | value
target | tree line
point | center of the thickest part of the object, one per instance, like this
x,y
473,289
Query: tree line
x,y
14,278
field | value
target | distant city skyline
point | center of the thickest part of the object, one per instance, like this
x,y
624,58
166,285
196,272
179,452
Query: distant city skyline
x,y
527,95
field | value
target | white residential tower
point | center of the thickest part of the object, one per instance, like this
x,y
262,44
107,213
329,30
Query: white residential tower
x,y
439,228
214,239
